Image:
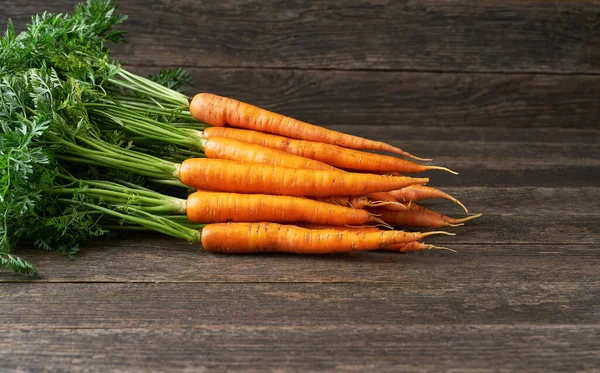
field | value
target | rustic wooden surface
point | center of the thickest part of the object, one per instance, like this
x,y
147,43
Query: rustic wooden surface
x,y
505,92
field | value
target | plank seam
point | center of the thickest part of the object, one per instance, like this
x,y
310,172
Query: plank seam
x,y
381,70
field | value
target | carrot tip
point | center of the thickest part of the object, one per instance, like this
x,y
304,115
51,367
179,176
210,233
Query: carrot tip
x,y
419,158
468,218
438,232
441,248
460,204
408,155
442,169
456,225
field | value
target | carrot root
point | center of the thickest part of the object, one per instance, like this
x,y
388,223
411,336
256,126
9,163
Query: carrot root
x,y
450,198
442,169
417,158
441,248
420,192
462,220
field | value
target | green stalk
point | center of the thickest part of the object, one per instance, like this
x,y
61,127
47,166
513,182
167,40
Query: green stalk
x,y
149,88
165,204
112,156
153,222
146,127
141,105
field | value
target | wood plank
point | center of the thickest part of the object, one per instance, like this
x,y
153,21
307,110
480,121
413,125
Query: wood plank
x,y
507,35
566,136
390,348
572,202
540,297
157,259
449,100
515,176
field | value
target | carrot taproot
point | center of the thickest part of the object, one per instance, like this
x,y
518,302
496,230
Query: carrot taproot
x,y
211,207
418,217
416,207
334,155
399,247
229,176
248,238
221,111
239,151
417,193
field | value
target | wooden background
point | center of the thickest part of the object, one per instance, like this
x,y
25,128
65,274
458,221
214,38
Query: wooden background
x,y
506,92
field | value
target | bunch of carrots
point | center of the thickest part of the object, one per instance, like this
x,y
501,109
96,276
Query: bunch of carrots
x,y
292,160
113,150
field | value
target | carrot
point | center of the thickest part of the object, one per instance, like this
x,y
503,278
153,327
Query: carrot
x,y
228,176
235,150
362,228
213,207
337,156
400,247
221,111
418,216
417,193
247,238
415,207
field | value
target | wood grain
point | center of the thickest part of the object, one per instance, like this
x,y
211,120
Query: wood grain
x,y
325,348
505,36
500,299
158,259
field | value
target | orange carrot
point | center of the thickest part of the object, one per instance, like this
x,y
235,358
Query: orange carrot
x,y
215,207
247,238
417,216
228,176
417,193
221,111
400,247
361,228
337,156
235,150
415,207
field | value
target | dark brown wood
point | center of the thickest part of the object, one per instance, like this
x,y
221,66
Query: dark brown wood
x,y
507,35
159,259
492,298
565,136
411,99
322,348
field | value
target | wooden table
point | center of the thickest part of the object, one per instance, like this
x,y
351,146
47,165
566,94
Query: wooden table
x,y
505,92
